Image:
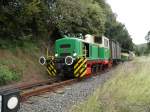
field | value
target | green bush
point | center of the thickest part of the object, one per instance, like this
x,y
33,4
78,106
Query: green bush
x,y
7,75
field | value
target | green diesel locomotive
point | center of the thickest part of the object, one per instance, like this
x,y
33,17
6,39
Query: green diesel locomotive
x,y
78,58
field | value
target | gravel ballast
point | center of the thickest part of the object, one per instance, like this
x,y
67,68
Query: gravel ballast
x,y
63,99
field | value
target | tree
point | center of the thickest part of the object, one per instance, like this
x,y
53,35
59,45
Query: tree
x,y
20,19
73,16
119,32
35,19
147,38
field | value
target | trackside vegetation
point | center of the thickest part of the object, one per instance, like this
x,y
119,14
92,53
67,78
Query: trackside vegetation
x,y
20,63
127,91
22,20
7,75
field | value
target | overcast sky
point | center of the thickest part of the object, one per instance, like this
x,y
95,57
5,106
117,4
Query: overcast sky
x,y
135,14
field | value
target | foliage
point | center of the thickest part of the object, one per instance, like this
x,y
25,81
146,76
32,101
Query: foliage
x,y
91,105
142,49
22,62
116,30
21,18
127,91
7,75
24,45
72,16
147,38
37,19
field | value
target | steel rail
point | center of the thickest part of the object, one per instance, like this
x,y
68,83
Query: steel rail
x,y
28,85
46,88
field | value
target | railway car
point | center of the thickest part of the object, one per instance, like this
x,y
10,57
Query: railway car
x,y
78,58
127,55
131,55
124,56
115,51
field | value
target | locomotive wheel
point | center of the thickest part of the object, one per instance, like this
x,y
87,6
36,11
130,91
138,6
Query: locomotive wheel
x,y
93,69
101,67
97,68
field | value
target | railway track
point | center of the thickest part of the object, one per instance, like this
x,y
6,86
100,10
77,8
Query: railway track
x,y
11,96
25,90
23,86
47,86
25,94
37,87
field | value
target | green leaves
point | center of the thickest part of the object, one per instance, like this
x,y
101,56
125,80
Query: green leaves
x,y
7,75
33,7
29,18
78,16
147,38
24,19
116,30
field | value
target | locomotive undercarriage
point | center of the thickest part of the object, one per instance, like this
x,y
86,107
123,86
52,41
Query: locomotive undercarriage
x,y
63,71
68,67
78,69
61,68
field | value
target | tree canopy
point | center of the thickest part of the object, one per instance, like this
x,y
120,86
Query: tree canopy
x,y
36,19
147,38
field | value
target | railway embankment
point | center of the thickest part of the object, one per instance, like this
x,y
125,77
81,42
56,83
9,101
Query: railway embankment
x,y
127,91
21,65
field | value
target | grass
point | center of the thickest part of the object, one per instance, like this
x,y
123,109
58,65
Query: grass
x,y
127,91
11,68
7,75
20,63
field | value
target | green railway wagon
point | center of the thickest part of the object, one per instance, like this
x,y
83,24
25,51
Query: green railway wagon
x,y
124,56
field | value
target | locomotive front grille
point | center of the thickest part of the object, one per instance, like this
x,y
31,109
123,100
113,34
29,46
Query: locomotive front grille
x,y
65,54
59,60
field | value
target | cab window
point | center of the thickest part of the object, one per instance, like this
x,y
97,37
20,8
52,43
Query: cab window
x,y
106,44
98,40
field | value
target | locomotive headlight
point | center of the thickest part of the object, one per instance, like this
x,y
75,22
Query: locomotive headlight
x,y
56,55
0,103
12,103
74,54
69,60
42,60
